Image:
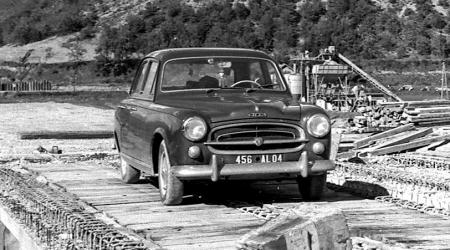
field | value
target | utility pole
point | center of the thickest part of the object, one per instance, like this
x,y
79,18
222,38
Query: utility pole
x,y
444,86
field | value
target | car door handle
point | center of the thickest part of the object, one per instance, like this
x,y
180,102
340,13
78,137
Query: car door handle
x,y
121,107
132,109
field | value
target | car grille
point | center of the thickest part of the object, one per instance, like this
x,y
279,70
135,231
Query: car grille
x,y
254,138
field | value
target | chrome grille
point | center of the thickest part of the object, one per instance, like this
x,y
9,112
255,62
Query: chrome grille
x,y
254,138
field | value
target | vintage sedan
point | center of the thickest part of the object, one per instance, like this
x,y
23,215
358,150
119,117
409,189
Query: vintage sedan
x,y
217,114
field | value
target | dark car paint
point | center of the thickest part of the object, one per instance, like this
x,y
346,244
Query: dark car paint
x,y
224,105
164,116
168,54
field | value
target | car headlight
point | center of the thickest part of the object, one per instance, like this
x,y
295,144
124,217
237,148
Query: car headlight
x,y
194,128
318,125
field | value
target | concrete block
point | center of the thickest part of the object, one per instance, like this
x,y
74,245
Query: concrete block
x,y
306,227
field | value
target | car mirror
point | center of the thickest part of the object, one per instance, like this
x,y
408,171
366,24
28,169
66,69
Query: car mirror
x,y
224,65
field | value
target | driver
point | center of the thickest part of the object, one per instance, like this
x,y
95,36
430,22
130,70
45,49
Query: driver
x,y
255,73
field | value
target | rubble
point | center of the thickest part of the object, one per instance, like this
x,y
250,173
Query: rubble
x,y
377,118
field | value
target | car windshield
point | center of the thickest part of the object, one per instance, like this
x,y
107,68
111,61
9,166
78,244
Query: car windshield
x,y
221,73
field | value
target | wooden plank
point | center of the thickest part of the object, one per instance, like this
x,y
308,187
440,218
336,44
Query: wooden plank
x,y
168,231
350,138
380,220
210,217
434,123
190,243
141,187
400,139
180,214
428,119
80,184
417,103
92,182
132,206
115,191
124,200
191,223
155,207
366,141
417,111
175,238
408,146
404,229
218,245
117,195
65,135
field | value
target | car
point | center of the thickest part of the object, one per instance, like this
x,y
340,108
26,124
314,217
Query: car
x,y
218,114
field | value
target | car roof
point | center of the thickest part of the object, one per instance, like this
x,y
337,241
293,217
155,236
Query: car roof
x,y
167,54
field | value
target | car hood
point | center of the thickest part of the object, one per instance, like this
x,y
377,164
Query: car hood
x,y
218,107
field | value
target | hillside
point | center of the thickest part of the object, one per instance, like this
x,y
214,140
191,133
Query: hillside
x,y
50,50
365,29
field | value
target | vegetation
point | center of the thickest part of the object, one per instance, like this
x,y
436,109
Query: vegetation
x,y
76,52
360,29
34,20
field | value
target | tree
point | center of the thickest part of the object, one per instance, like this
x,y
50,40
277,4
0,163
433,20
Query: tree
x,y
48,54
439,45
76,53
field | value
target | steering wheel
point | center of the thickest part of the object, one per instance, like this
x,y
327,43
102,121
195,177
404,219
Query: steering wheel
x,y
253,83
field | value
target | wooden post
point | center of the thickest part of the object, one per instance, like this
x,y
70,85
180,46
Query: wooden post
x,y
444,86
335,141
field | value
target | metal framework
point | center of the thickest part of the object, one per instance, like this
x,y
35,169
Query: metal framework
x,y
326,78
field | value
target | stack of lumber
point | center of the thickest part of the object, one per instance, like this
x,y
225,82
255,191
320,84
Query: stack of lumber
x,y
401,139
429,116
425,113
378,117
389,115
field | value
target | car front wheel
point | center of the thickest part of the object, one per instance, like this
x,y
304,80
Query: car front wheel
x,y
170,187
311,187
128,173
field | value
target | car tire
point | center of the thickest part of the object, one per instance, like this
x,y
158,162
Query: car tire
x,y
128,173
311,187
170,187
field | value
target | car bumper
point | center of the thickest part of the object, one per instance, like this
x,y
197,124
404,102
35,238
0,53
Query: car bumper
x,y
216,170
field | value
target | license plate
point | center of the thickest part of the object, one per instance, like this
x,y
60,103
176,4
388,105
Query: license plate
x,y
269,158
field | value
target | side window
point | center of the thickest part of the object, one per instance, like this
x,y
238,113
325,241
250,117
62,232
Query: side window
x,y
140,78
151,78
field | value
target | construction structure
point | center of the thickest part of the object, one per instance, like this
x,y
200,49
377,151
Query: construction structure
x,y
324,80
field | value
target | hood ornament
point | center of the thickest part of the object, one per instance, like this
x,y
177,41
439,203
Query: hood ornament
x,y
257,114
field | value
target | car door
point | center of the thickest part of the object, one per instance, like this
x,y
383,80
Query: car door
x,y
127,109
143,116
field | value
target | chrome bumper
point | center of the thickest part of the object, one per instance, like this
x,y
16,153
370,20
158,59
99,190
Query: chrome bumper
x,y
215,170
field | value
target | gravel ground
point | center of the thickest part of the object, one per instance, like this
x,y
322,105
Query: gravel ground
x,y
51,116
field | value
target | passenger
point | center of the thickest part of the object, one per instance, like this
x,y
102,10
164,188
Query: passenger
x,y
208,82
